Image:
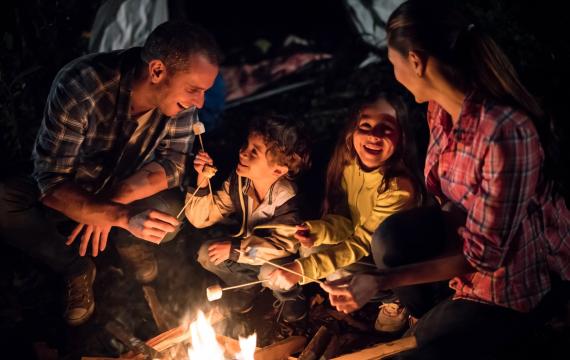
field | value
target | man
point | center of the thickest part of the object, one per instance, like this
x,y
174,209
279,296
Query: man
x,y
113,140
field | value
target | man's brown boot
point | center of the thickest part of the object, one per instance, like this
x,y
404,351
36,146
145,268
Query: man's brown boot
x,y
140,258
80,302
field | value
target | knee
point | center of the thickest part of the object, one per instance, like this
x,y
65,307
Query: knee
x,y
385,241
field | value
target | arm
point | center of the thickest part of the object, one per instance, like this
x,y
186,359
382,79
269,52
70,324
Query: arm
x,y
354,292
202,212
357,245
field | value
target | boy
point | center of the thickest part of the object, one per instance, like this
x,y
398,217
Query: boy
x,y
263,197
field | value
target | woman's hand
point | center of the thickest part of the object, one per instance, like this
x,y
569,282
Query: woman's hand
x,y
303,235
351,293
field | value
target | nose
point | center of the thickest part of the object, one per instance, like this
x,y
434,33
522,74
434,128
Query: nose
x,y
199,99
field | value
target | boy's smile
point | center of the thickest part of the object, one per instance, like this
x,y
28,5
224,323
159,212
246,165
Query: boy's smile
x,y
254,162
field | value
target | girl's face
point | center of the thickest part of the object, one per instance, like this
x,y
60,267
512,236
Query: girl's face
x,y
377,134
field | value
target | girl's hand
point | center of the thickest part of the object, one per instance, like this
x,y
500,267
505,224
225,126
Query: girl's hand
x,y
219,252
304,236
284,280
351,293
200,160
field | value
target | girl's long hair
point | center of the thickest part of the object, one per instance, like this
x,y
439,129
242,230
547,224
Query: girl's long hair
x,y
403,163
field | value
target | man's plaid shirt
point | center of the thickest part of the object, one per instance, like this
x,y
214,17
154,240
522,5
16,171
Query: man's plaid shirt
x,y
517,230
87,126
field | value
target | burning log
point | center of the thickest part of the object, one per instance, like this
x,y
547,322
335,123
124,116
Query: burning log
x,y
281,350
317,345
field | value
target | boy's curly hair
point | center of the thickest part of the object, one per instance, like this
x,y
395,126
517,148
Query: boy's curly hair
x,y
286,142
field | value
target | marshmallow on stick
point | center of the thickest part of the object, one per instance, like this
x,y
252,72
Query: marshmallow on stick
x,y
214,292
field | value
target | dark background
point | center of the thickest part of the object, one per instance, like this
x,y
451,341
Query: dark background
x,y
38,37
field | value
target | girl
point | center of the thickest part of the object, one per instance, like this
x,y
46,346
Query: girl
x,y
485,158
370,177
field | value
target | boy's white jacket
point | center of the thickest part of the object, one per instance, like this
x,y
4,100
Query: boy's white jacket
x,y
266,231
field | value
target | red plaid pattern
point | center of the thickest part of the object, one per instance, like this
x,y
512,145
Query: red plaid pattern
x,y
517,230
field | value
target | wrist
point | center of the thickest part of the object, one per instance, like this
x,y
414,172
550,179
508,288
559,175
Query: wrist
x,y
120,216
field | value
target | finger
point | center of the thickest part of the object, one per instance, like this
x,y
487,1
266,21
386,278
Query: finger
x,y
104,238
342,282
158,215
95,238
302,227
85,240
74,233
152,238
159,225
336,291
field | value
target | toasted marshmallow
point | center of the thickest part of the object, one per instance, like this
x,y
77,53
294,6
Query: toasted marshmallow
x,y
198,128
214,292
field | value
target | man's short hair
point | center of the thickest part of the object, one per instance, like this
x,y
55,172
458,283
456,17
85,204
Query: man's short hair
x,y
286,142
175,42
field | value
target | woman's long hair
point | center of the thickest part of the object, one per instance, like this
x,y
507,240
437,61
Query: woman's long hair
x,y
470,59
403,163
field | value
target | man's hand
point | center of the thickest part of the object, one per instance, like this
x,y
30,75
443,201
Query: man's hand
x,y
303,235
151,225
97,234
219,252
284,280
200,160
351,293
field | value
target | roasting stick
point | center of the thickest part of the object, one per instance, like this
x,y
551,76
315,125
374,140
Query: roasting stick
x,y
279,266
199,128
190,199
214,292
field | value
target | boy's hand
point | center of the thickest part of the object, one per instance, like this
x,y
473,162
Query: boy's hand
x,y
303,235
219,252
200,160
284,280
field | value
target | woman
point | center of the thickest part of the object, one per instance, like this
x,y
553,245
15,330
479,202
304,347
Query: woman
x,y
485,159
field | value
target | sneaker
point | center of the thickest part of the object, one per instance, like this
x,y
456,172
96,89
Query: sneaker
x,y
392,317
292,310
141,259
239,302
80,302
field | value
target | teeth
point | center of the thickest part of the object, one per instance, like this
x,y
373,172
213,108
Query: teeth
x,y
184,106
373,147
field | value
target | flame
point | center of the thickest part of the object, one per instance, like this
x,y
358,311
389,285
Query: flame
x,y
205,345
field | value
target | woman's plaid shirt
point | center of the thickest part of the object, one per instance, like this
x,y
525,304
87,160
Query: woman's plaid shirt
x,y
517,230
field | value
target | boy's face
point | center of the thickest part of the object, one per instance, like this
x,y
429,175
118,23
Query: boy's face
x,y
254,163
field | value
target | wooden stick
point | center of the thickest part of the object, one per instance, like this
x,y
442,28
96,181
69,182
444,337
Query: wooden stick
x,y
278,266
382,351
244,285
191,197
317,345
282,349
161,318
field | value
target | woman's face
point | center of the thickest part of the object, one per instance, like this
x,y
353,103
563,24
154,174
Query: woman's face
x,y
377,134
405,71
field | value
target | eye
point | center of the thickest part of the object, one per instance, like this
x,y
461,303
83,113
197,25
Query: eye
x,y
254,152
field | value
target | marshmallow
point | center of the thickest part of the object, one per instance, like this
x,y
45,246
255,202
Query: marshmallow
x,y
209,171
198,128
214,292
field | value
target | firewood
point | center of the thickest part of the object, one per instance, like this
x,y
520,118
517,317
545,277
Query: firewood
x,y
317,345
281,350
348,319
161,318
332,348
383,350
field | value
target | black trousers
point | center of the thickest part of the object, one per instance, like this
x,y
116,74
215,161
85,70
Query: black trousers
x,y
447,328
41,232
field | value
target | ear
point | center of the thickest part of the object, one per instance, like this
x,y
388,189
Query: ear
x,y
280,170
418,63
156,71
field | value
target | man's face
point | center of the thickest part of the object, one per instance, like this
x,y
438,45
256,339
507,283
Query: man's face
x,y
186,88
254,163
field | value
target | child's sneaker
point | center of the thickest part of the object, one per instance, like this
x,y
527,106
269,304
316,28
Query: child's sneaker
x,y
392,317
